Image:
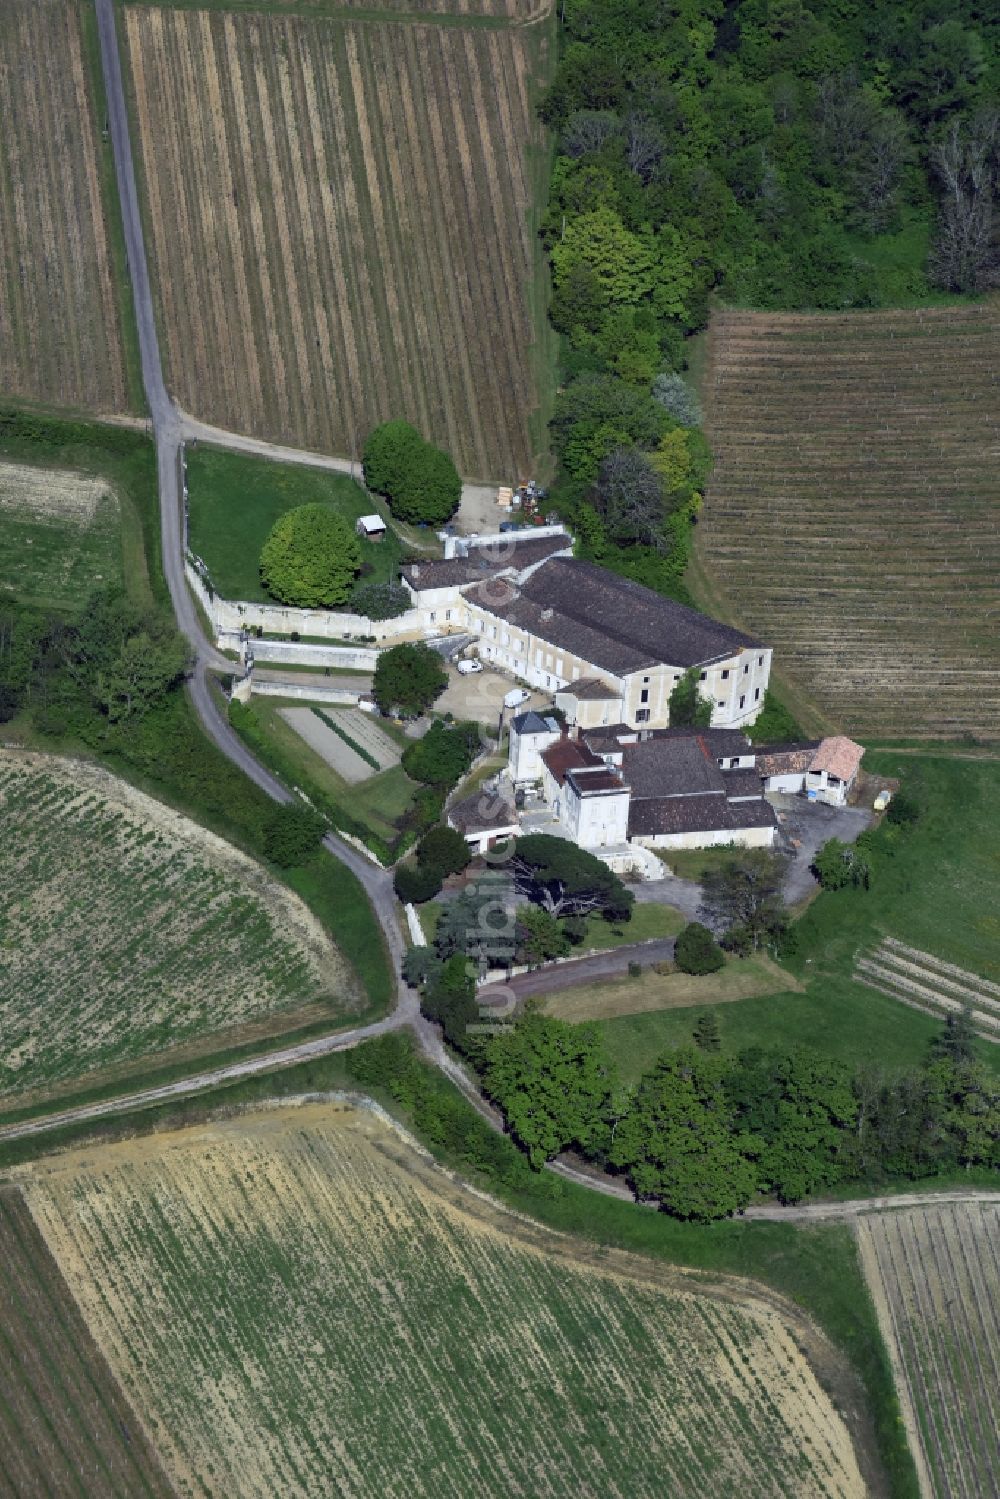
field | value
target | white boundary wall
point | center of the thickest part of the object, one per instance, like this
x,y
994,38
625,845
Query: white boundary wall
x,y
230,616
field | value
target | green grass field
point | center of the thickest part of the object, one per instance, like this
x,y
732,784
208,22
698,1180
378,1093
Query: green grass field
x,y
234,500
936,890
60,537
77,512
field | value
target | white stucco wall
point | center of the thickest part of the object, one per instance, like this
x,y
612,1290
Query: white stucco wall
x,y
524,755
597,820
745,838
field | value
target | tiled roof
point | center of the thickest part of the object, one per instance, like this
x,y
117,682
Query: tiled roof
x,y
513,554
618,625
787,759
569,754
838,756
742,782
533,723
482,812
722,743
589,778
697,814
670,767
591,687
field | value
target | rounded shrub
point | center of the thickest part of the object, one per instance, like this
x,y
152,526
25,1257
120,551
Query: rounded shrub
x,y
416,882
696,950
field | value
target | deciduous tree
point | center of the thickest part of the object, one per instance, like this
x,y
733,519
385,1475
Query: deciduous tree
x,y
686,703
743,898
554,1084
408,678
311,558
676,1142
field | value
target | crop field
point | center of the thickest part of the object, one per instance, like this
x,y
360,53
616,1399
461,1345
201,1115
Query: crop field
x,y
933,1272
302,1304
65,1426
926,983
127,931
340,218
60,327
853,519
60,536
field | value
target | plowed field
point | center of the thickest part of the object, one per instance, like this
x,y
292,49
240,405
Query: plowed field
x,y
60,339
339,219
934,1274
304,1305
65,1425
853,517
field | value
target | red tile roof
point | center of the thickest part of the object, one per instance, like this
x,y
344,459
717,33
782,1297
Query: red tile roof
x,y
838,756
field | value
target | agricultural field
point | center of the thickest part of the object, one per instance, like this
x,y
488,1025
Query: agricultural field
x,y
340,218
926,983
61,536
60,323
852,518
234,500
128,933
932,1272
300,1302
380,801
352,745
65,1425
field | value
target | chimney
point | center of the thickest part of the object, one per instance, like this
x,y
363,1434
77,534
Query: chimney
x,y
415,570
546,614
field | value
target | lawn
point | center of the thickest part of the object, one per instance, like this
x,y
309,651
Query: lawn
x,y
60,537
840,1020
694,863
742,978
936,889
648,921
235,499
77,511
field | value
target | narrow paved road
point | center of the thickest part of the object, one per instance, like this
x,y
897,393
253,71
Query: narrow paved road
x,y
168,428
559,976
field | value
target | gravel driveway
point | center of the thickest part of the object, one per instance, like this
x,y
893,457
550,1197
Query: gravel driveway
x,y
803,828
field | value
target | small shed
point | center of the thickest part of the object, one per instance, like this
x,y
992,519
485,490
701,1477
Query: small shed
x,y
371,527
485,818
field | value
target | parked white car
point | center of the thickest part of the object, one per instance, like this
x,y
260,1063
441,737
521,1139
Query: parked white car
x,y
516,697
468,667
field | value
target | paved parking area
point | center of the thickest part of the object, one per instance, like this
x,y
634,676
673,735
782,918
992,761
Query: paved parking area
x,y
803,828
480,697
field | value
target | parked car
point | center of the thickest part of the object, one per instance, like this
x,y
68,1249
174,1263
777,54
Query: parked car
x,y
515,697
469,666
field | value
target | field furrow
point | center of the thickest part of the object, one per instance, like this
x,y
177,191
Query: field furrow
x,y
303,1305
933,1274
339,225
852,518
129,933
59,321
